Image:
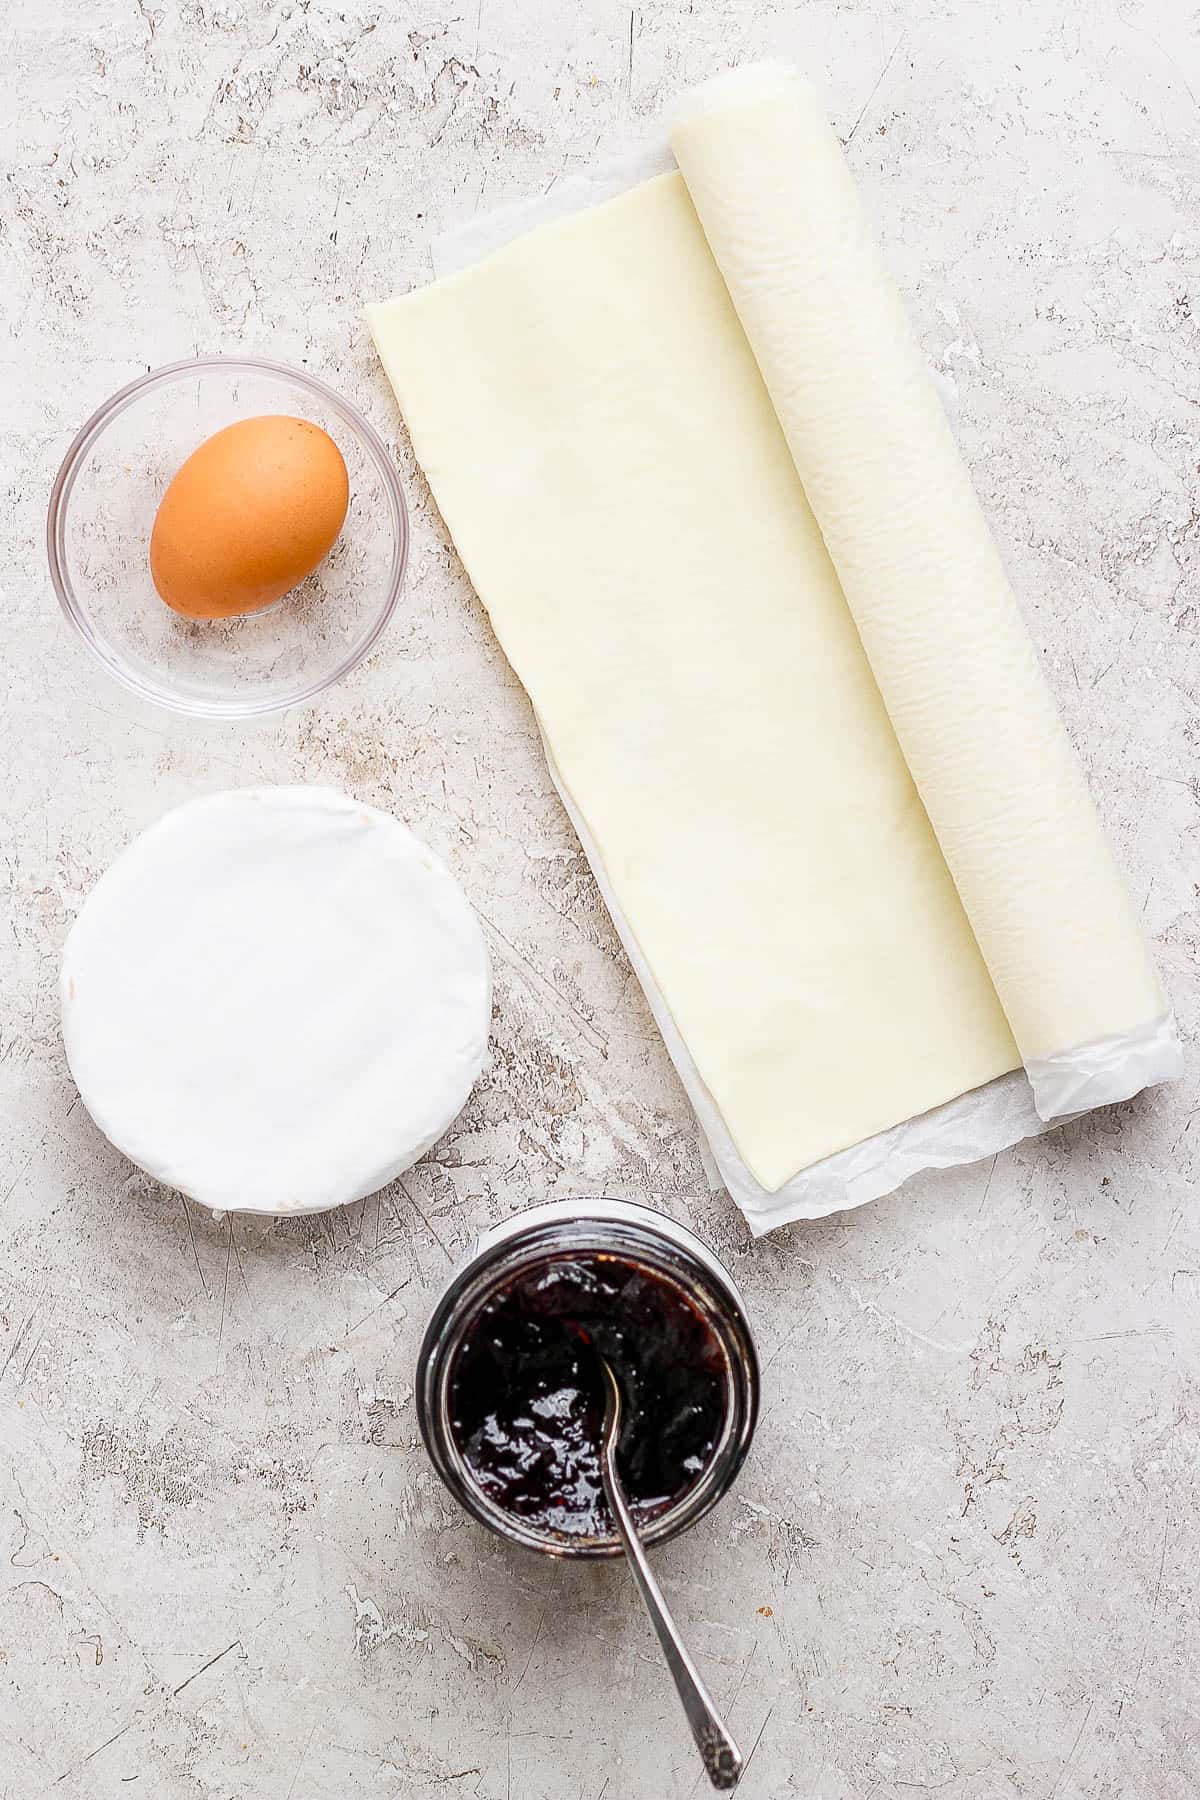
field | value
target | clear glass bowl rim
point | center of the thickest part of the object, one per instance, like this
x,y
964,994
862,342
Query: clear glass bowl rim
x,y
60,497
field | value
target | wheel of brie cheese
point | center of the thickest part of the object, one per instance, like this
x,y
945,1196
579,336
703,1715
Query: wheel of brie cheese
x,y
275,1000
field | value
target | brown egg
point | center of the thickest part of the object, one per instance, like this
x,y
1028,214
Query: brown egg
x,y
250,514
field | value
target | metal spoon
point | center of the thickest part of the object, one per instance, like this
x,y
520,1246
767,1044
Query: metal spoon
x,y
722,1758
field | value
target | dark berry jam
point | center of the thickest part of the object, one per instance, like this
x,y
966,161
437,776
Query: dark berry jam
x,y
527,1403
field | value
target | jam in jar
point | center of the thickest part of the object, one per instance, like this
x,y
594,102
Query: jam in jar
x,y
526,1398
509,1387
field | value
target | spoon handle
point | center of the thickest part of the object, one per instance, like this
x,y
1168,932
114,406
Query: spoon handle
x,y
721,1756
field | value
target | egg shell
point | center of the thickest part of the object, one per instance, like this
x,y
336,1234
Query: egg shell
x,y
248,516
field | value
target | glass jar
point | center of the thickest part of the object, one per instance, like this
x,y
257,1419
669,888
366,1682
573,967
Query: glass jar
x,y
638,1235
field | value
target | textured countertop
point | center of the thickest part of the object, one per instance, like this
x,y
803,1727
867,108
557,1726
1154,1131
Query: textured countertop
x,y
962,1558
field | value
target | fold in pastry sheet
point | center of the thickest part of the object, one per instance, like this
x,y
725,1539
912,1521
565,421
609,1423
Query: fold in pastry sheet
x,y
975,719
625,490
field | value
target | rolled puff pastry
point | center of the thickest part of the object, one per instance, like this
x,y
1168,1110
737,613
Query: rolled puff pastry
x,y
690,455
976,722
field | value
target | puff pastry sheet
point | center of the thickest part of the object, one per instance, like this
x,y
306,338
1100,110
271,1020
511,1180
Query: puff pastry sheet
x,y
688,452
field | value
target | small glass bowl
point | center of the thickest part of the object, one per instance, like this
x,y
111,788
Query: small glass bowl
x,y
102,508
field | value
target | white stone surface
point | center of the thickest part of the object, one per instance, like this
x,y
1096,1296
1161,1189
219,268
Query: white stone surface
x,y
962,1559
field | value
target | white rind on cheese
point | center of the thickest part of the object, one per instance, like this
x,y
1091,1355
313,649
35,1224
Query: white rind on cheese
x,y
276,1000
